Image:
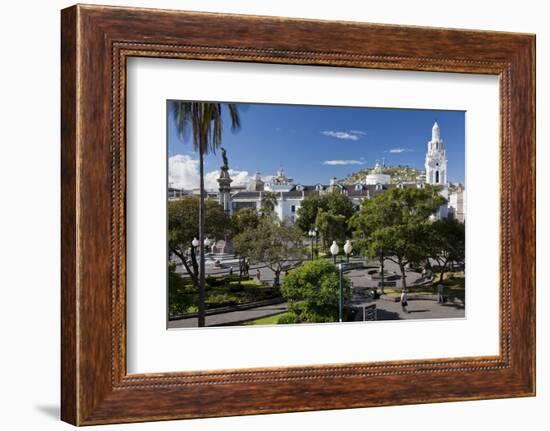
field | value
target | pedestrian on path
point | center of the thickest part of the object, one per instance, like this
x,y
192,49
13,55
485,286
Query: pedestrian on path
x,y
230,270
258,274
440,298
404,302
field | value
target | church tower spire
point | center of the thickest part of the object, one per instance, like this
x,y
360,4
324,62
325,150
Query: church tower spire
x,y
436,160
435,132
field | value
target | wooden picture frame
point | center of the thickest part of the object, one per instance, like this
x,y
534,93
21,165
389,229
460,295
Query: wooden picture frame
x,y
95,43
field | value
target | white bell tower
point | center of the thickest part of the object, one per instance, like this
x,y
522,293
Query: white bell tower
x,y
436,161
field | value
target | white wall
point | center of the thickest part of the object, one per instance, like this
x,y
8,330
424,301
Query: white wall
x,y
29,214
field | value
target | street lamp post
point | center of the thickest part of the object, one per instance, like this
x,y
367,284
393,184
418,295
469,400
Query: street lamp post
x,y
334,249
347,249
341,293
195,244
316,229
312,234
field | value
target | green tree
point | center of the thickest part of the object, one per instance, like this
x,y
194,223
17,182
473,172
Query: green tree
x,y
273,242
332,227
312,291
183,226
394,224
332,209
244,219
205,122
307,213
446,243
338,203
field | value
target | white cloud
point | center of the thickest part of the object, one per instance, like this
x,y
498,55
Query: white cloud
x,y
358,132
210,182
240,178
399,150
340,135
342,162
183,172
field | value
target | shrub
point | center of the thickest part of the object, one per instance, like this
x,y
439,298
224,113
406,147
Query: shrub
x,y
287,318
312,291
181,293
217,281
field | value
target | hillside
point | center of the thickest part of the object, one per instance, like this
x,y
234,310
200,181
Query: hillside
x,y
398,174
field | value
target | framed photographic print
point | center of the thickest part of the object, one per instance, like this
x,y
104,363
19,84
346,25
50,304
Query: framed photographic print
x,y
287,215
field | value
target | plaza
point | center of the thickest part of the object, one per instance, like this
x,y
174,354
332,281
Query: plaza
x,y
381,243
422,304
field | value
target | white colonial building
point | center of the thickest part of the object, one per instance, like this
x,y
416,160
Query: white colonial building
x,y
290,194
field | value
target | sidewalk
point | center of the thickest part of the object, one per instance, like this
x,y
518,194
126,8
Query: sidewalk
x,y
232,317
419,309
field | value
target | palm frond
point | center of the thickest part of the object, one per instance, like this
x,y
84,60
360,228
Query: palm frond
x,y
205,121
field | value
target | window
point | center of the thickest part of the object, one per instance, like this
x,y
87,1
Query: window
x,y
293,208
437,177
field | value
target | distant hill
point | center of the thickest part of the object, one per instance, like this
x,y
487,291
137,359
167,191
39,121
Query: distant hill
x,y
398,174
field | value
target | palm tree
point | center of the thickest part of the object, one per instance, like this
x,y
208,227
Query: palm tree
x,y
205,121
268,203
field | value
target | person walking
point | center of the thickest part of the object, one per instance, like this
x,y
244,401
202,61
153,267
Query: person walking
x,y
404,302
230,270
258,274
440,298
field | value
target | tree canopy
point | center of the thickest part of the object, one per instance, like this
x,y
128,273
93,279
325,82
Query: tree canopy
x,y
244,219
312,292
395,223
183,222
446,243
272,242
330,212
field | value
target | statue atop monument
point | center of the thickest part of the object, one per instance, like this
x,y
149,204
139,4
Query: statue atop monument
x,y
225,166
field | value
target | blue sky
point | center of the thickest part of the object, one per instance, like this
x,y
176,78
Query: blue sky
x,y
314,143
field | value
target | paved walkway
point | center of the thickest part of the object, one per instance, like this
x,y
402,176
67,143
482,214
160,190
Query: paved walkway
x,y
386,310
418,309
231,318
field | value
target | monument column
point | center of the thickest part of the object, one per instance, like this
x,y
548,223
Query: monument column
x,y
224,181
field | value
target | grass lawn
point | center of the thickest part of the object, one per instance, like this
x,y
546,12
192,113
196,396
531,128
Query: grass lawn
x,y
269,320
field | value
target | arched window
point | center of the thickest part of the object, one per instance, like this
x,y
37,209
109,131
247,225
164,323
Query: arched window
x,y
437,177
